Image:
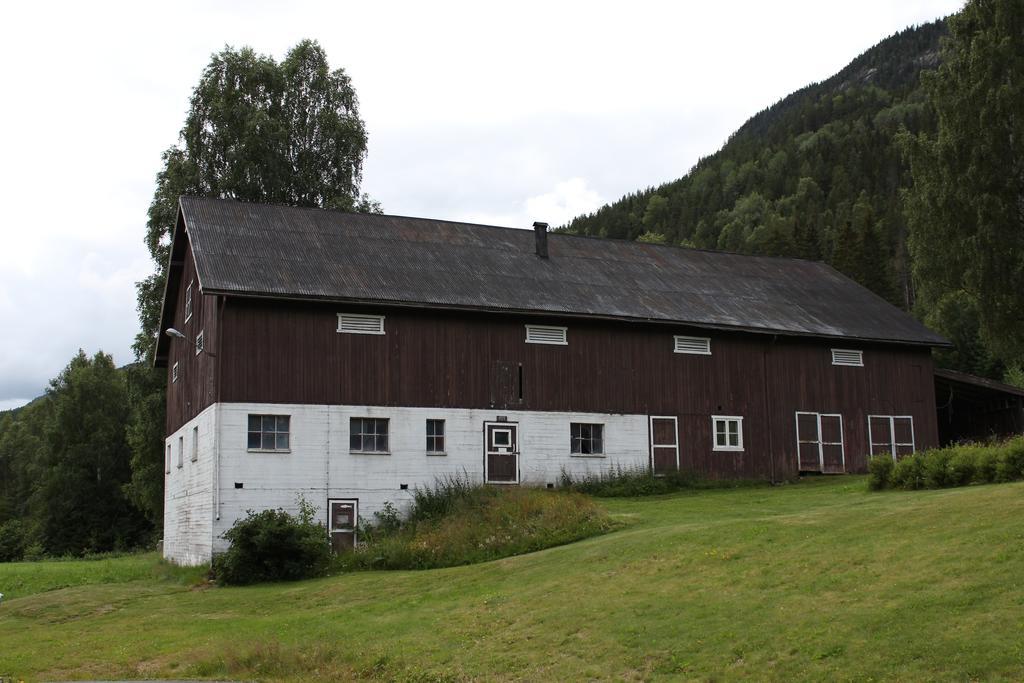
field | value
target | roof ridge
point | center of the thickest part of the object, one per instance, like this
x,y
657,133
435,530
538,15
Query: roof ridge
x,y
551,233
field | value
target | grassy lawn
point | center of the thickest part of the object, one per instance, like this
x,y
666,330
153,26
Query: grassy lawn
x,y
820,580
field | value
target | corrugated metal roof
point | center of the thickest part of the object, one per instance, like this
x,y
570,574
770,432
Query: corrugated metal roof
x,y
285,252
952,376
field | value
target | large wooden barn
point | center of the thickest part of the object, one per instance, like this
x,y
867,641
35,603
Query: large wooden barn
x,y
348,358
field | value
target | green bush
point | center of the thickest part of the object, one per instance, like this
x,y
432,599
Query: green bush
x,y
986,461
908,473
962,466
935,468
13,540
1010,466
880,472
958,465
481,523
273,545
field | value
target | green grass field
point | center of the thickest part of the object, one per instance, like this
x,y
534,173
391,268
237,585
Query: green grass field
x,y
815,581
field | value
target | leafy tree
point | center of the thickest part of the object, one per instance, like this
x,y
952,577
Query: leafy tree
x,y
21,448
259,131
256,130
652,238
966,208
956,317
656,214
78,503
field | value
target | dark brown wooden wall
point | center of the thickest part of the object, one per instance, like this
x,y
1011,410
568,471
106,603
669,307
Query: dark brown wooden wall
x,y
292,353
196,386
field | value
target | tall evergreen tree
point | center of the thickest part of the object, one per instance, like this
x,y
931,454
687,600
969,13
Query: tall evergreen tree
x,y
256,130
966,208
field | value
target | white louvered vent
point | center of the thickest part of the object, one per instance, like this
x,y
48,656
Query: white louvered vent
x,y
697,345
848,357
546,334
357,323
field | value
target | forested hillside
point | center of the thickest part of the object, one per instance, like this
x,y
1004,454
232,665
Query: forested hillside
x,y
826,174
818,175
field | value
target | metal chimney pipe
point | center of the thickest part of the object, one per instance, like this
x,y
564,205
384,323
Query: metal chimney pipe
x,y
540,231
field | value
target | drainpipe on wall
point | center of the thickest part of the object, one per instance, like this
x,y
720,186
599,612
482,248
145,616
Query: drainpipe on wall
x,y
327,471
216,463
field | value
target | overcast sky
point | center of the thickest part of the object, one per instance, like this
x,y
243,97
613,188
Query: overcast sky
x,y
533,111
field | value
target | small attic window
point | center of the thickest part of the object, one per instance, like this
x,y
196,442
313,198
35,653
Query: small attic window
x,y
849,357
696,345
546,334
357,323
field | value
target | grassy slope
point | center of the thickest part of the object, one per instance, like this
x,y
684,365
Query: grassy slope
x,y
813,581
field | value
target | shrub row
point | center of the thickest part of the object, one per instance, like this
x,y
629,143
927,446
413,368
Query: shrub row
x,y
622,482
951,466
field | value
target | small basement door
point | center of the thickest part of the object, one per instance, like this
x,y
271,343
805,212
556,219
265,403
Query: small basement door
x,y
664,444
819,442
501,452
342,523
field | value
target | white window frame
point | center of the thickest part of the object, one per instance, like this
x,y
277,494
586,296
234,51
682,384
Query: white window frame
x,y
167,466
444,435
820,441
181,452
200,342
506,444
892,433
195,443
594,454
738,419
261,432
837,358
188,300
360,323
680,341
174,373
532,338
387,421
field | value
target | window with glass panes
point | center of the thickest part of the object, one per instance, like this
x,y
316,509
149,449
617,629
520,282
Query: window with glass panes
x,y
728,433
269,432
587,439
368,435
435,436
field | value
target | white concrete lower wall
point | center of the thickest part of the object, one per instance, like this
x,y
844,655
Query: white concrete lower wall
x,y
189,490
320,465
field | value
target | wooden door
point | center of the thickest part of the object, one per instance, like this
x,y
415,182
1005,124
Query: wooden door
x,y
664,444
819,442
833,459
501,452
808,443
342,523
891,435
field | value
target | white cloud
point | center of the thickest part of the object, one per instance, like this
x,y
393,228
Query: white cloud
x,y
10,403
569,199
